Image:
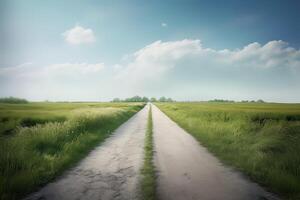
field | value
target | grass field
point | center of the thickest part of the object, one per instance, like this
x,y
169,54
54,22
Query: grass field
x,y
262,140
148,171
40,140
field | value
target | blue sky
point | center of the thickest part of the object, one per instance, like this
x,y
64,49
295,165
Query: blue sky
x,y
97,50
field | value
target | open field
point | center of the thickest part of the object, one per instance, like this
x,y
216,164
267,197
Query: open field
x,y
40,140
262,140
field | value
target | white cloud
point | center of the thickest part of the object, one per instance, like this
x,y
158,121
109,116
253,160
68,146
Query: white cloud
x,y
79,35
163,24
172,67
156,58
274,54
166,55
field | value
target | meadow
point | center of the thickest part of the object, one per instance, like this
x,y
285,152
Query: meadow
x,y
38,141
260,139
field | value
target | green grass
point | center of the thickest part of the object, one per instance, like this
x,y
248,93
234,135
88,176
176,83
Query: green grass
x,y
13,116
47,138
148,171
262,140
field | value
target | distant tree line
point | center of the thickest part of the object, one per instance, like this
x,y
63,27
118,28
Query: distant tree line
x,y
143,99
231,101
252,101
12,100
221,100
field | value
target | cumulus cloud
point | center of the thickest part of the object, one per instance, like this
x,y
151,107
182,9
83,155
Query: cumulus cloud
x,y
162,56
155,59
189,67
79,35
274,54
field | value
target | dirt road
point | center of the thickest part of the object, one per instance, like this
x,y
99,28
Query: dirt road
x,y
111,171
187,171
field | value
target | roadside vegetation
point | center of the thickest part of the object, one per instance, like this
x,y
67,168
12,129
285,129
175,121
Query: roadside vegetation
x,y
40,140
260,139
148,170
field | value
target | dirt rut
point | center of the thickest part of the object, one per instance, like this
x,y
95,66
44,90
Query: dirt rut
x,y
111,171
186,170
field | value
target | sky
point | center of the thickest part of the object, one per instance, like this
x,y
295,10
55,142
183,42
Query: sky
x,y
88,50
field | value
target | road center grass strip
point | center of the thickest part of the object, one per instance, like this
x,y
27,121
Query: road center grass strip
x,y
37,154
148,171
262,140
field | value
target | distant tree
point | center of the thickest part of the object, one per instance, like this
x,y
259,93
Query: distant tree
x,y
137,99
153,99
169,100
116,100
162,99
260,101
222,101
145,99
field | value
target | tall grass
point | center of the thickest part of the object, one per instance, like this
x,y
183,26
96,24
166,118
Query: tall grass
x,y
148,171
262,140
13,116
36,154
